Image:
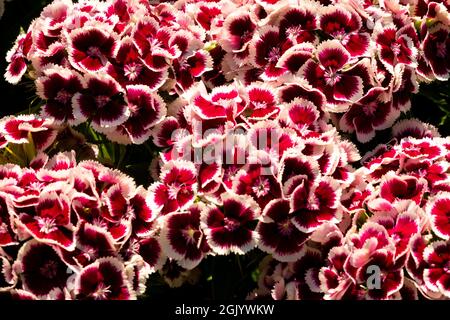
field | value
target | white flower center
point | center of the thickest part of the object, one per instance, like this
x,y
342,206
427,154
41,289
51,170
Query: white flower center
x,y
46,225
132,70
154,43
63,96
294,30
174,190
261,187
259,105
396,237
331,78
133,108
395,47
102,292
99,222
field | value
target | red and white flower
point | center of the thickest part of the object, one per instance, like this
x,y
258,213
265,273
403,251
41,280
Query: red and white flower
x,y
435,274
40,268
436,47
262,102
105,279
266,49
344,24
26,128
372,112
16,57
277,233
50,222
182,238
339,85
102,103
298,24
238,29
90,49
7,235
58,86
177,187
231,227
395,46
314,205
146,110
438,209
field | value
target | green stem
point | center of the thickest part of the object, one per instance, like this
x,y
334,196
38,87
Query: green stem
x,y
17,158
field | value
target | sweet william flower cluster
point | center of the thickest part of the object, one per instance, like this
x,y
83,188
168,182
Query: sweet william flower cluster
x,y
246,102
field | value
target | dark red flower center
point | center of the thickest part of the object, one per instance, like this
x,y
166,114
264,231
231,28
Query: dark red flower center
x,y
369,109
274,55
102,101
231,224
94,52
191,234
49,269
247,36
286,227
441,49
63,96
